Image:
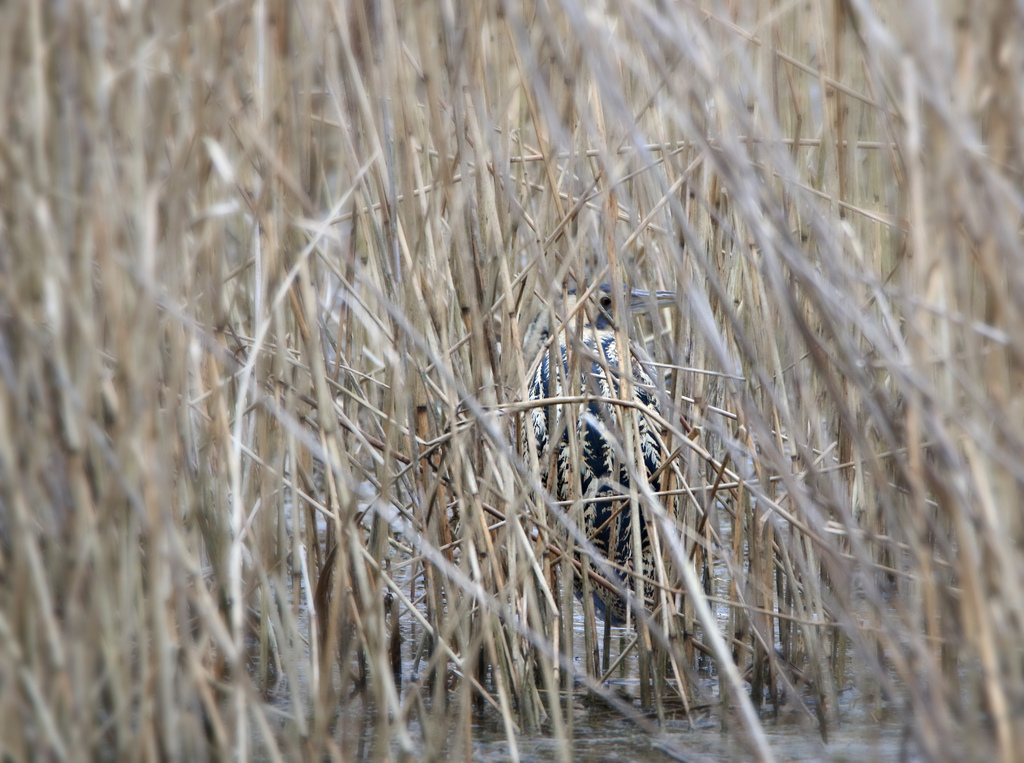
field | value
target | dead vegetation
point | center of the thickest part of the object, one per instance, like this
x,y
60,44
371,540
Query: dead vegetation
x,y
264,270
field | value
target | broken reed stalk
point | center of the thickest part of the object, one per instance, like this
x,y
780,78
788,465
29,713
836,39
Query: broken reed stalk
x,y
265,272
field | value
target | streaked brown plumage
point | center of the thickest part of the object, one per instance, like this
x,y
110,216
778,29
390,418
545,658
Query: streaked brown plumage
x,y
607,522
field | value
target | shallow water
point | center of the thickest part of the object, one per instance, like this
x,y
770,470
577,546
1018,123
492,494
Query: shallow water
x,y
599,733
602,735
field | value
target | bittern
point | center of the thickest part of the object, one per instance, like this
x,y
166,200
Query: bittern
x,y
601,472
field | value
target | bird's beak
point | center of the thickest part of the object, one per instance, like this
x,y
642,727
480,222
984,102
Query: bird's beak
x,y
643,301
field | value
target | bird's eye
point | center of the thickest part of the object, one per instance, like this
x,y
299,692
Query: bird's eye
x,y
606,302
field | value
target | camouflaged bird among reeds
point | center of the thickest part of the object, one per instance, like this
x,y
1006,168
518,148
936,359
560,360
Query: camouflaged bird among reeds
x,y
587,343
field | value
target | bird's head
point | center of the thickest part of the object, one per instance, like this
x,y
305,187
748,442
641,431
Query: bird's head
x,y
599,310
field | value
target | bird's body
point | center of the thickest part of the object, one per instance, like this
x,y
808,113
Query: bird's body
x,y
603,470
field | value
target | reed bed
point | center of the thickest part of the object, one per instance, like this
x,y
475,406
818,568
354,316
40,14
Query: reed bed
x,y
265,271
